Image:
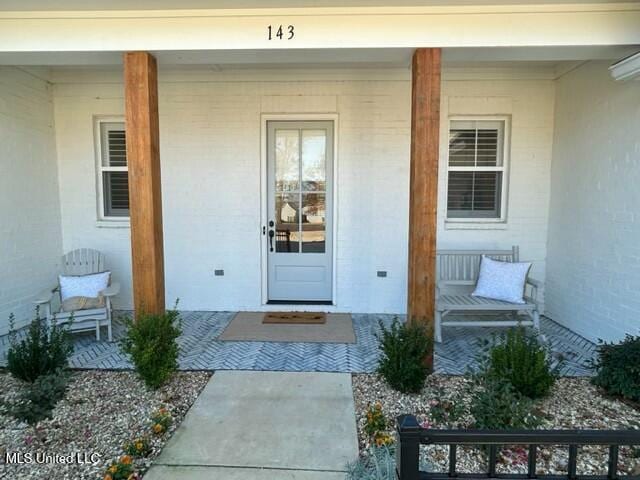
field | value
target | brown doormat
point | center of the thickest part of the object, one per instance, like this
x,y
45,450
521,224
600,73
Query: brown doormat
x,y
298,318
249,327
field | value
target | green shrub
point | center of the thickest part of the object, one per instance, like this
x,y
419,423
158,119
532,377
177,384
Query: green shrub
x,y
39,398
379,463
43,350
521,360
406,350
497,405
151,343
446,412
617,368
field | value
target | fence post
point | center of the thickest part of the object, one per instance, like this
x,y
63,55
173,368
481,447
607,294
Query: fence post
x,y
408,448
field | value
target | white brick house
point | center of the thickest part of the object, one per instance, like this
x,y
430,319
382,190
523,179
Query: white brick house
x,y
566,149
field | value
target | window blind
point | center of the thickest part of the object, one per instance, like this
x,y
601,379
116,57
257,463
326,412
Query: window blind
x,y
114,171
475,176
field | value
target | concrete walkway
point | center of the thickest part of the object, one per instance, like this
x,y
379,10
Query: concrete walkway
x,y
264,425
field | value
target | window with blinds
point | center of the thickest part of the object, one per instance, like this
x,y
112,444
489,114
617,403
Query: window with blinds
x,y
476,169
113,170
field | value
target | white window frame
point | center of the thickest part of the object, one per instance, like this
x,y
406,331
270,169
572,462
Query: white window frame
x,y
506,154
105,220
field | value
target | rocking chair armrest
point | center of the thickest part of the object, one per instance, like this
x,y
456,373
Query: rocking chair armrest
x,y
112,290
44,297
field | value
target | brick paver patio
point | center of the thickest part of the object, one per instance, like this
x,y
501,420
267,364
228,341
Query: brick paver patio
x,y
200,349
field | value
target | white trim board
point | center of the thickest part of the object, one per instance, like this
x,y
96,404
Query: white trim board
x,y
627,68
532,25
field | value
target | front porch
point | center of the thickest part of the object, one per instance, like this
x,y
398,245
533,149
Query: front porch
x,y
201,349
405,181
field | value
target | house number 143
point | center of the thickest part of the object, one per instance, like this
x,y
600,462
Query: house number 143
x,y
281,32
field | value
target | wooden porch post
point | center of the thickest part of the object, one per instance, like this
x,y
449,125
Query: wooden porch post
x,y
145,198
423,189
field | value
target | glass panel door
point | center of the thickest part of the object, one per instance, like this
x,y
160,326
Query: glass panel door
x,y
300,190
299,244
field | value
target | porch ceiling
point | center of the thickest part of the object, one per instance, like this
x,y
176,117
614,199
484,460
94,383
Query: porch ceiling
x,y
330,57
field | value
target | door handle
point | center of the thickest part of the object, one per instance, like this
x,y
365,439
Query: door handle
x,y
271,235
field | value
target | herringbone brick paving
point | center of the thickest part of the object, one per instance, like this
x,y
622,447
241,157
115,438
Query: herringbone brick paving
x,y
200,349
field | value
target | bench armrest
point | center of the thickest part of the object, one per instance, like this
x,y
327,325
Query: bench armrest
x,y
534,282
535,286
112,290
44,297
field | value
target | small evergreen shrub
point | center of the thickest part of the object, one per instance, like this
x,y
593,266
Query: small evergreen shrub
x,y
43,351
151,343
405,350
521,360
497,405
39,398
617,368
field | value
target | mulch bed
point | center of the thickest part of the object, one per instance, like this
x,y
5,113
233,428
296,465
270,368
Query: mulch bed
x,y
100,412
574,403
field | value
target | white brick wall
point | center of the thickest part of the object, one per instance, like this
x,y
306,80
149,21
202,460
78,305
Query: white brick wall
x,y
30,237
593,279
529,104
210,153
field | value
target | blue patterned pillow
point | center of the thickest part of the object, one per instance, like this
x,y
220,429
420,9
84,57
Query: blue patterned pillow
x,y
502,280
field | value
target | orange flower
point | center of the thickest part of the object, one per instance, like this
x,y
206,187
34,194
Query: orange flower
x,y
158,428
113,469
126,459
107,477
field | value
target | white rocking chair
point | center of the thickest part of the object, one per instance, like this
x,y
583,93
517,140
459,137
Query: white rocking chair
x,y
81,262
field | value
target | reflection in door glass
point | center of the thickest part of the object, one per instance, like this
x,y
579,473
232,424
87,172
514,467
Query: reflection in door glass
x,y
313,160
287,160
287,236
313,222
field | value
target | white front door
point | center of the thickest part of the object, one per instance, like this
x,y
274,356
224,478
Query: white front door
x,y
300,206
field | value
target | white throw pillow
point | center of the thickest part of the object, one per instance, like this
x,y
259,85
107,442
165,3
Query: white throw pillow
x,y
83,285
502,280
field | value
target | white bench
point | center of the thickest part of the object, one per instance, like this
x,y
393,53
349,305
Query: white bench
x,y
457,273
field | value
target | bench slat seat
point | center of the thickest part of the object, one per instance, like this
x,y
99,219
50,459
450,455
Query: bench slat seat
x,y
456,278
469,302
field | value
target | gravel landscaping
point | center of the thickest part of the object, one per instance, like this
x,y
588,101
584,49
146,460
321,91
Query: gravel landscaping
x,y
573,403
101,411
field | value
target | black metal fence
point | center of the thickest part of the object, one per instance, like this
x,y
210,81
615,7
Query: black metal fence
x,y
411,435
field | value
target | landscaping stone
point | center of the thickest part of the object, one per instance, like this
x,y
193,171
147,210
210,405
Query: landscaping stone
x,y
574,403
100,412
